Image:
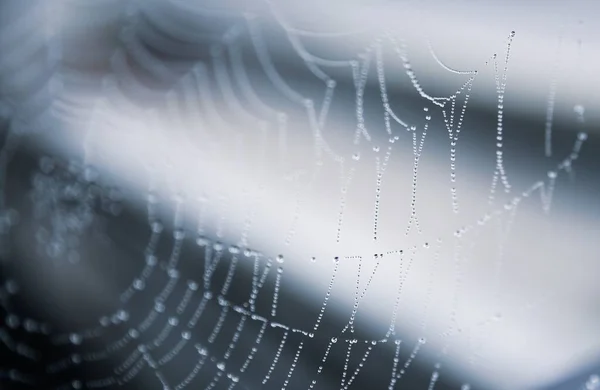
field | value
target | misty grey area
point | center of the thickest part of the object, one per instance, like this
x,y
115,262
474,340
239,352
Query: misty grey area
x,y
299,195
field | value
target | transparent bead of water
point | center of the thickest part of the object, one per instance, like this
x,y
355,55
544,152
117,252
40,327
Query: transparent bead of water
x,y
133,333
234,249
157,227
11,287
122,315
593,382
159,307
139,284
151,260
579,109
552,175
75,338
179,234
202,241
173,321
280,259
192,285
582,136
221,366
356,156
186,334
30,325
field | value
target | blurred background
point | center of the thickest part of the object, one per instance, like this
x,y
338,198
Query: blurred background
x,y
299,195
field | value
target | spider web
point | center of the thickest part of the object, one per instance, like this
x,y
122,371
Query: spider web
x,y
213,328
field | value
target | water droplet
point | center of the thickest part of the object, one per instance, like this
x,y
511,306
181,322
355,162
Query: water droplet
x,y
334,340
313,259
151,260
157,227
11,287
221,366
356,156
173,321
75,338
552,175
179,234
582,136
76,358
202,241
30,325
579,109
234,249
139,284
123,315
422,340
192,285
593,382
186,334
280,259
159,307
133,333
376,148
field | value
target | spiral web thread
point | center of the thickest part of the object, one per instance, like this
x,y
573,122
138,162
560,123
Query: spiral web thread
x,y
167,329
